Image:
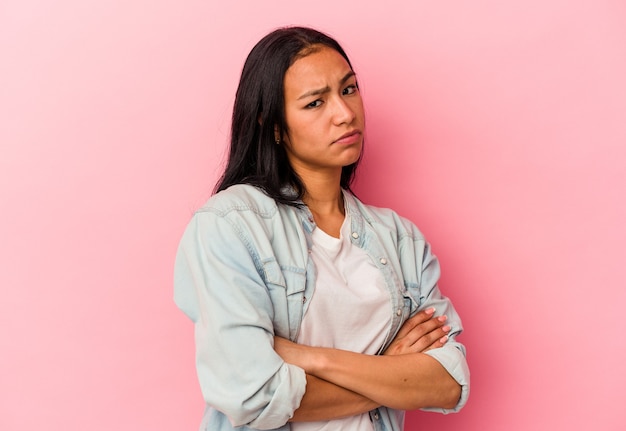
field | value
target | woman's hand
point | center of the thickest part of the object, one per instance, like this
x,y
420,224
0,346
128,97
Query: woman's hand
x,y
419,334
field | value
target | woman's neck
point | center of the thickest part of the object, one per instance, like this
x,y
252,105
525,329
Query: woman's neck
x,y
324,199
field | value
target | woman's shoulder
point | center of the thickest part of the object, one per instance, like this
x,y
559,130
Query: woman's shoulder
x,y
387,218
240,197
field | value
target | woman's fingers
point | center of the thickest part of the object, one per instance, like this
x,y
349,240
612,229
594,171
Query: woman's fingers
x,y
414,321
420,333
437,343
432,340
420,330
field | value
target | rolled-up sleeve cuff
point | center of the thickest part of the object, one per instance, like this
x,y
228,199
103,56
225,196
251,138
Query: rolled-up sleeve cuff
x,y
453,360
286,399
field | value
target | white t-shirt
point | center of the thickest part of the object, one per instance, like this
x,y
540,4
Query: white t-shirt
x,y
349,310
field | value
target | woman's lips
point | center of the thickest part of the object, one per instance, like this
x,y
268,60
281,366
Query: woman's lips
x,y
349,138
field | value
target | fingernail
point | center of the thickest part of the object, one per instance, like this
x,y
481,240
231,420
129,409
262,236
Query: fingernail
x,y
430,311
443,339
442,318
446,328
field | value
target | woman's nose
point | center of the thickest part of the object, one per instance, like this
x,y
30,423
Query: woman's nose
x,y
343,113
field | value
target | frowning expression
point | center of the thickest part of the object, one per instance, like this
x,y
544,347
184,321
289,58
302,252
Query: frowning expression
x,y
323,112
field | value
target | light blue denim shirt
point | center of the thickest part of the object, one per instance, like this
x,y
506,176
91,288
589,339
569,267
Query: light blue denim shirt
x,y
243,274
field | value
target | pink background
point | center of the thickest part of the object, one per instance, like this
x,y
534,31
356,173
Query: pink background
x,y
498,127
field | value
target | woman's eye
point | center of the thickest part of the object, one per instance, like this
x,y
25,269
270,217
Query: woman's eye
x,y
314,104
351,89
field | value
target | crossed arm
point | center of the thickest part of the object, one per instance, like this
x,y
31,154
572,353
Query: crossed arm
x,y
342,383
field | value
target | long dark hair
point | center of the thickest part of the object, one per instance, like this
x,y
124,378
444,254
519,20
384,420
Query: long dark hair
x,y
254,157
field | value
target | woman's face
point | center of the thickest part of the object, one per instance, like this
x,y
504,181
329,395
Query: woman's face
x,y
324,113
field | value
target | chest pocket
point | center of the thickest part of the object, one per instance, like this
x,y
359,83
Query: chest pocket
x,y
285,287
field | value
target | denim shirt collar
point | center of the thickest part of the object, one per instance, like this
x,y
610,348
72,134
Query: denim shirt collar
x,y
308,222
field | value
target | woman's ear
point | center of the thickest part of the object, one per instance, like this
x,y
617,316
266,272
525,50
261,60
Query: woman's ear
x,y
277,135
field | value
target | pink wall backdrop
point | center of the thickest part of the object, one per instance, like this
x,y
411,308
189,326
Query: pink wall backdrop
x,y
498,127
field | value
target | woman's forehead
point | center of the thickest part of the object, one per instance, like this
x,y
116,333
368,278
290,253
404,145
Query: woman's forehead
x,y
324,66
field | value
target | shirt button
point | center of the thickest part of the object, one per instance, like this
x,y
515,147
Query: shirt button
x,y
355,235
399,312
376,416
383,261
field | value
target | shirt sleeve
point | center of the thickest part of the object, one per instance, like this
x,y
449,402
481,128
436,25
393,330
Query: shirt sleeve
x,y
452,356
218,284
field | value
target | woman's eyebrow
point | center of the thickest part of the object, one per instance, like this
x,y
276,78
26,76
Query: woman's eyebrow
x,y
347,76
326,89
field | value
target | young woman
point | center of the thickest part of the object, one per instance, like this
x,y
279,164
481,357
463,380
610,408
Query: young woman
x,y
312,311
